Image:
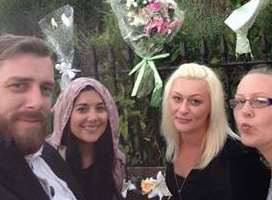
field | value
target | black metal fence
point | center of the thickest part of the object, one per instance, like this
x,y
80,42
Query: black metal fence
x,y
229,66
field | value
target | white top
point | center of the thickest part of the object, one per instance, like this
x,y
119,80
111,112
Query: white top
x,y
54,187
269,195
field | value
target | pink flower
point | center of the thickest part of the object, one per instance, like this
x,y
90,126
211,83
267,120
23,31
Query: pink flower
x,y
175,23
157,25
154,6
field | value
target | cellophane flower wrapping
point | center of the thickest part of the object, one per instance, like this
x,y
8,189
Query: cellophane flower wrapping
x,y
146,25
241,20
58,28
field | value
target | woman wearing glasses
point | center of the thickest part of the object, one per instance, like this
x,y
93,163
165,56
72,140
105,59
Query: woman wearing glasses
x,y
206,161
253,112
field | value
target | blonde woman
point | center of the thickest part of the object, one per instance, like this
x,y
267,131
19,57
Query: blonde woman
x,y
206,161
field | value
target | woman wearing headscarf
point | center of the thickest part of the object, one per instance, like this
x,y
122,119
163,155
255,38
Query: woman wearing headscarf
x,y
206,160
85,134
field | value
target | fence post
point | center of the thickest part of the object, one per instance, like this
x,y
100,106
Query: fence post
x,y
111,59
204,52
88,63
226,79
183,52
264,46
95,63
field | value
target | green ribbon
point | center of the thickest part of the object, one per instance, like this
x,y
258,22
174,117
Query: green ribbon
x,y
142,67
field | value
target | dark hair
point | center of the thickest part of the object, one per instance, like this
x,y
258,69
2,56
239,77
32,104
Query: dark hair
x,y
11,45
103,160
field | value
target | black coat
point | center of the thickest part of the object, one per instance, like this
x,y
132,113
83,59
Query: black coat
x,y
236,173
17,181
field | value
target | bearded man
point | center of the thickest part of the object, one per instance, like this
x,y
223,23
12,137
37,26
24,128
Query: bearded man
x,y
26,86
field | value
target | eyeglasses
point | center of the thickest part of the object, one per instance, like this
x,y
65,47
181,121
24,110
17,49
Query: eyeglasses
x,y
254,102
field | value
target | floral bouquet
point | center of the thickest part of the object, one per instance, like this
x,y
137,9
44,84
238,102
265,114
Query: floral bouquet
x,y
58,29
241,20
146,25
155,187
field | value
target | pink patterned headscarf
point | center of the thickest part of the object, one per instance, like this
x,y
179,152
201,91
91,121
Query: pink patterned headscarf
x,y
62,112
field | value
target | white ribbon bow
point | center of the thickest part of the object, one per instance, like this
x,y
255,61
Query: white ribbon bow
x,y
67,73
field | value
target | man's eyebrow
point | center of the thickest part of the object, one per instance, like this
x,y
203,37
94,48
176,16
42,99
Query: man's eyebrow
x,y
27,79
18,78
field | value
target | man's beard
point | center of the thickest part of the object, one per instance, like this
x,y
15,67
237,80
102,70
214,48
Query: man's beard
x,y
29,140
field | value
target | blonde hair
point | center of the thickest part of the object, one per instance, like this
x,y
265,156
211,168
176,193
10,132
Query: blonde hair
x,y
218,127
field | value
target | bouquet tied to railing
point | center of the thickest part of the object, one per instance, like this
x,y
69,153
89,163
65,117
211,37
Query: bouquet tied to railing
x,y
146,25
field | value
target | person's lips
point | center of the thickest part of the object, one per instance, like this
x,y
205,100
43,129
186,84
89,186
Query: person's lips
x,y
31,117
30,120
183,120
90,128
245,127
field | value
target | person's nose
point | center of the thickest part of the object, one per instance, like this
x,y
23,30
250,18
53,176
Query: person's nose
x,y
247,110
183,107
35,99
92,115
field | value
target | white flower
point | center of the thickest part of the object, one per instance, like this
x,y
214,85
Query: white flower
x,y
67,21
171,3
54,23
127,186
135,4
137,21
129,3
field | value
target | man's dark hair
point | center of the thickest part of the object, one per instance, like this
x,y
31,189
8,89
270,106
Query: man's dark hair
x,y
12,45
